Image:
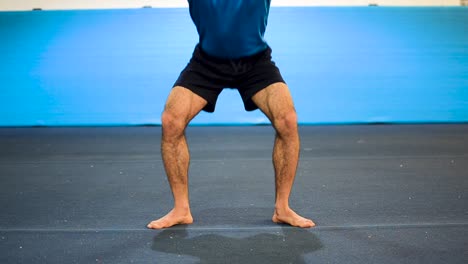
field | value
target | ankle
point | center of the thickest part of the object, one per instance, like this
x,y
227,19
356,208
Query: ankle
x,y
281,208
182,209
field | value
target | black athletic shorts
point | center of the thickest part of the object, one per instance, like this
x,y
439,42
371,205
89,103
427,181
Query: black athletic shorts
x,y
207,76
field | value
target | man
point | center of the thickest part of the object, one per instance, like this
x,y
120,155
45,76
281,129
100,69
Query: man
x,y
231,53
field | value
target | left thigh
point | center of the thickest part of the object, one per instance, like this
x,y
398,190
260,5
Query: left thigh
x,y
275,101
261,73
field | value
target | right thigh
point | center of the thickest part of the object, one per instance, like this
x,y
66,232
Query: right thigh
x,y
183,104
205,77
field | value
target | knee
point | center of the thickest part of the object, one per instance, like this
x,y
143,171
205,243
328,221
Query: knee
x,y
172,125
286,123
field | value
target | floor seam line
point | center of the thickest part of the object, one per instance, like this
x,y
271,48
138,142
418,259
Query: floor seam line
x,y
97,230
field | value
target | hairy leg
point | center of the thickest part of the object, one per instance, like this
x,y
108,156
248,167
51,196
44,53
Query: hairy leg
x,y
182,106
276,103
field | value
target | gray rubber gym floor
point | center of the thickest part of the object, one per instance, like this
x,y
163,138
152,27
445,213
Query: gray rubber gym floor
x,y
379,194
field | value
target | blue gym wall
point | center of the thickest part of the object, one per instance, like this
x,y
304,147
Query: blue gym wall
x,y
343,65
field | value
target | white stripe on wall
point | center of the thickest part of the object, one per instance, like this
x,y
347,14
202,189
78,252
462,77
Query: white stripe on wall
x,y
10,5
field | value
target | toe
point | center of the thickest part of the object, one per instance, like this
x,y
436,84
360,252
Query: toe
x,y
154,225
309,223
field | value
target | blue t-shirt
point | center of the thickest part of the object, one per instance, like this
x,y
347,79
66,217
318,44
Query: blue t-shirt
x,y
230,28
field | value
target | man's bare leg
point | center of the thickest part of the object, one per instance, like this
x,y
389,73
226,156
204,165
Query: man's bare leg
x,y
276,103
182,106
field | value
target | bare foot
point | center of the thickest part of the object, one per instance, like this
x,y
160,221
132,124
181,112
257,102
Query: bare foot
x,y
290,217
172,218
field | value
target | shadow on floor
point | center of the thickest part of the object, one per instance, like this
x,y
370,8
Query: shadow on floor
x,y
284,245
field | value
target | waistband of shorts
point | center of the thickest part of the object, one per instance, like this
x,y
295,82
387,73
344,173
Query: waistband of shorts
x,y
253,57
